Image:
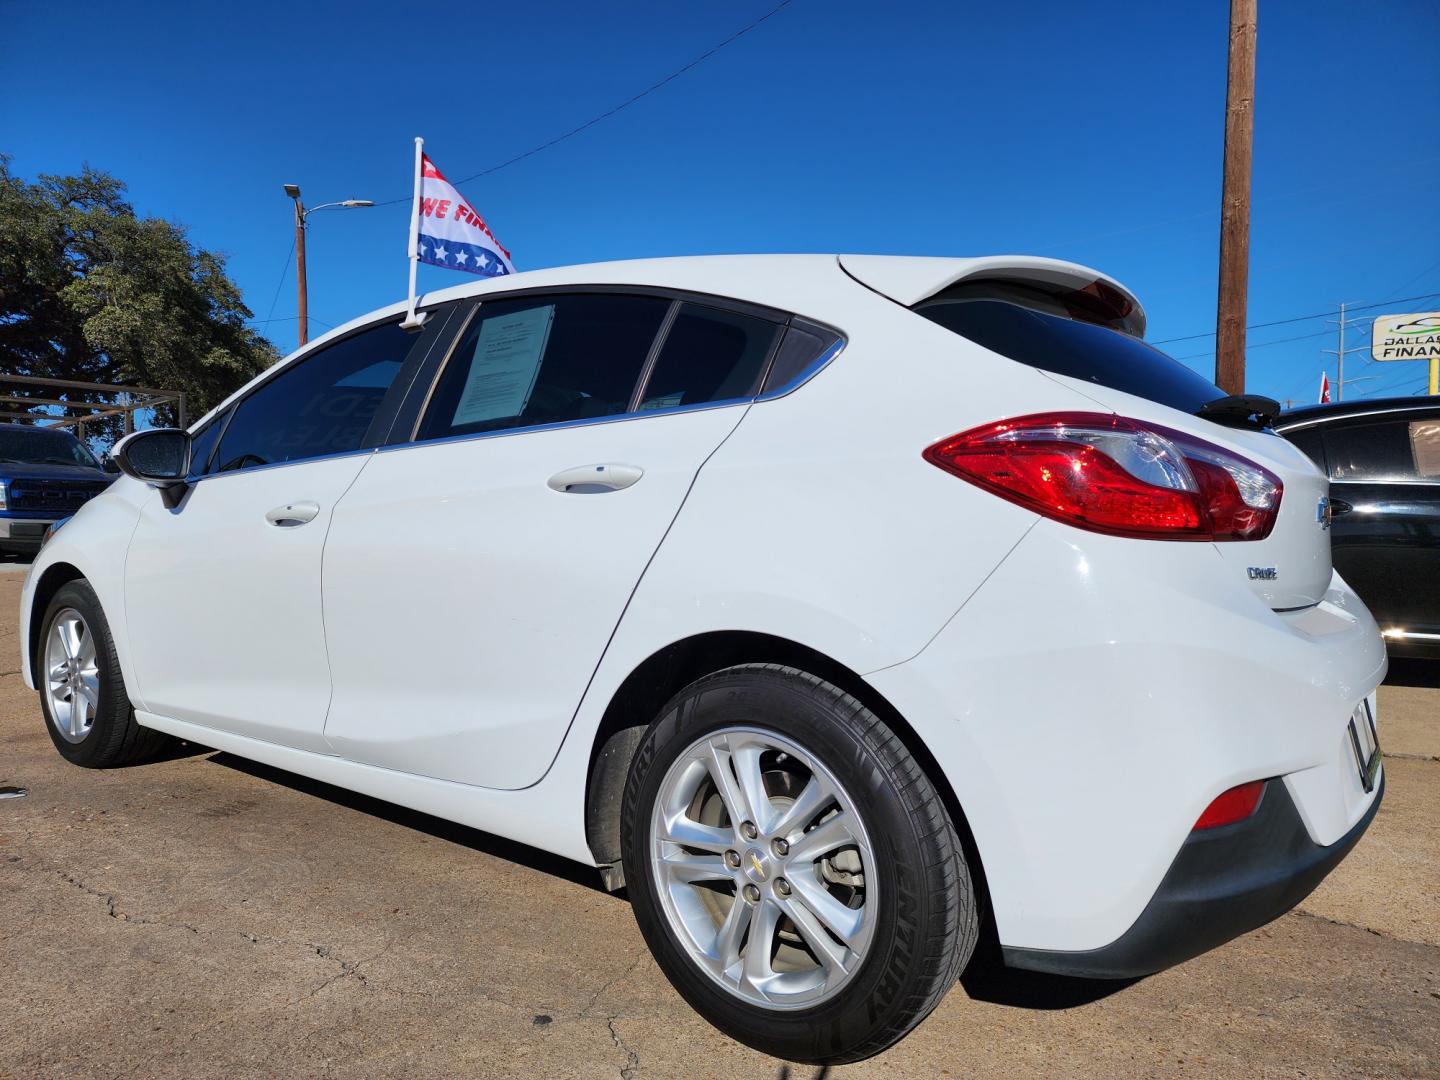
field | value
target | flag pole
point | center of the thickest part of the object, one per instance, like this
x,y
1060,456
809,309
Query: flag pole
x,y
412,320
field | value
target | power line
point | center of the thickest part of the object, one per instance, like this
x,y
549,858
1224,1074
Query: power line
x,y
284,271
611,112
1306,318
1263,344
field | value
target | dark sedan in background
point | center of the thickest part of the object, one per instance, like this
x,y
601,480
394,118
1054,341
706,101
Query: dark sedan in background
x,y
1383,460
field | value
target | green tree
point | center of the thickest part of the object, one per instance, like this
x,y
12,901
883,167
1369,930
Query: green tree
x,y
90,291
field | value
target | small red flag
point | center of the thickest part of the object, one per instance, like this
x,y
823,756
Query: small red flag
x,y
1324,388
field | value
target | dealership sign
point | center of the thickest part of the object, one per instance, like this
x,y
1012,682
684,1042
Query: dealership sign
x,y
1406,337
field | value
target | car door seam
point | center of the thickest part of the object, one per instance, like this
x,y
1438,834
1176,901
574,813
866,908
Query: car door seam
x,y
629,599
324,625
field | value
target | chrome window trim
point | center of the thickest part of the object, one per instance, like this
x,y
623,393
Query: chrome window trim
x,y
1392,410
248,469
589,421
1419,481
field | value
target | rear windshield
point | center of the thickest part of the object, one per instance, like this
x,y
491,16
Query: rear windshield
x,y
1077,349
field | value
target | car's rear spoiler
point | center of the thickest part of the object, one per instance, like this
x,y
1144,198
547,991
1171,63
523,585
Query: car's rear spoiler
x,y
910,280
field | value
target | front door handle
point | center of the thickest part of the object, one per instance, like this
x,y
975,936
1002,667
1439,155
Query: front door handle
x,y
293,514
1339,506
595,479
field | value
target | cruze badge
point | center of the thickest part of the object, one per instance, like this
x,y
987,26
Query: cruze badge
x,y
1324,512
1261,573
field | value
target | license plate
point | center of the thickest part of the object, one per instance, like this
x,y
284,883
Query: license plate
x,y
1365,741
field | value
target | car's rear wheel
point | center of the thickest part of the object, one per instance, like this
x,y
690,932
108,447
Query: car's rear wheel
x,y
792,867
82,690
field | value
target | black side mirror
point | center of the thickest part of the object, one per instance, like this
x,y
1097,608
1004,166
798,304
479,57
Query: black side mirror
x,y
160,457
108,464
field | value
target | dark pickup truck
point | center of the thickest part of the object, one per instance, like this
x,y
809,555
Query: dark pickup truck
x,y
45,474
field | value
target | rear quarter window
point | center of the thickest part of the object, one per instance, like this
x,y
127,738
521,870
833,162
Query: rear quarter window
x,y
1073,348
1392,449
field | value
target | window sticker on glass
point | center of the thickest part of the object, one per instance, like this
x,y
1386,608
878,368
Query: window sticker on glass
x,y
502,372
666,401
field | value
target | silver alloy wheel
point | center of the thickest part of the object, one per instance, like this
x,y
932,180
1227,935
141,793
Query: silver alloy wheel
x,y
72,675
764,868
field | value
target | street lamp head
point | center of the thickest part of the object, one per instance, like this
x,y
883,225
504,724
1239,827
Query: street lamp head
x,y
358,202
293,190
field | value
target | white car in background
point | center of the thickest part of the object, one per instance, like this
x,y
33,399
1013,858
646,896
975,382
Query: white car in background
x,y
842,609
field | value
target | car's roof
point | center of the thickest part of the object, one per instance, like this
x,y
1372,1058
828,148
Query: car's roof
x,y
792,282
1316,414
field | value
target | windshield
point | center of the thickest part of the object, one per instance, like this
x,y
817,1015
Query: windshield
x,y
43,446
1080,350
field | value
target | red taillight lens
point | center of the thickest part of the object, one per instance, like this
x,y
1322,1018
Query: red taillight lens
x,y
1231,806
1112,475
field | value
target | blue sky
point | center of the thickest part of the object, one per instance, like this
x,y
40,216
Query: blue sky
x,y
1090,132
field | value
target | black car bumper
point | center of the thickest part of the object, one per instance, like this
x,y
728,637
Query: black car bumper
x,y
22,534
1225,882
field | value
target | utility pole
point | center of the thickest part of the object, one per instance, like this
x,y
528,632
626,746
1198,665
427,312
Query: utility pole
x,y
1340,352
1235,200
303,299
1340,358
301,285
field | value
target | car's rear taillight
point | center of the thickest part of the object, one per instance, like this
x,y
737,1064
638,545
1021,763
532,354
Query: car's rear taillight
x,y
1231,806
1114,475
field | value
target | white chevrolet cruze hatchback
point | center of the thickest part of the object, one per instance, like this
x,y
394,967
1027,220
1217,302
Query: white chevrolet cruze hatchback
x,y
844,610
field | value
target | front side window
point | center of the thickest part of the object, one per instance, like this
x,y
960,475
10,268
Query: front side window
x,y
1394,449
321,405
708,355
544,360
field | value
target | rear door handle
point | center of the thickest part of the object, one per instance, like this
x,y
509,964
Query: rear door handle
x,y
595,479
1340,506
293,514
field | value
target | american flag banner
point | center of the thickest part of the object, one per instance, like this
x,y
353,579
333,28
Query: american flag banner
x,y
451,234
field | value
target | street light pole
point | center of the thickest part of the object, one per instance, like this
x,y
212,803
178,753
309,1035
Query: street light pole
x,y
302,298
301,282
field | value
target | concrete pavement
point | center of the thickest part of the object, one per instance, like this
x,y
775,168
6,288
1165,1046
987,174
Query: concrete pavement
x,y
202,916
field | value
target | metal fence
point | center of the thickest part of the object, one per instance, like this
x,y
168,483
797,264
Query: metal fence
x,y
127,401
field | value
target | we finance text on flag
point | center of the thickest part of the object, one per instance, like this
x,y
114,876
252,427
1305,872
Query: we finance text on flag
x,y
451,233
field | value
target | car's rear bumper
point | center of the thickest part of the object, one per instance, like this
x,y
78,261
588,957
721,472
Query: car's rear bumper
x,y
1145,681
1224,882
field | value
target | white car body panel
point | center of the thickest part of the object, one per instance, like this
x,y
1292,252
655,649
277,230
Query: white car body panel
x,y
221,554
523,585
1085,696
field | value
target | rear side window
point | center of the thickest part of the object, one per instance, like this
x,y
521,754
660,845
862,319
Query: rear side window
x,y
804,343
1394,449
1067,347
1311,442
544,360
709,355
320,405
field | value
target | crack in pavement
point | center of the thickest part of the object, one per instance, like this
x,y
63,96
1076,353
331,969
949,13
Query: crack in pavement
x,y
627,1071
595,997
1306,914
348,968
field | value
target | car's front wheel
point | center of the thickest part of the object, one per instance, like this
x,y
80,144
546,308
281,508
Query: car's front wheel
x,y
82,690
792,868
